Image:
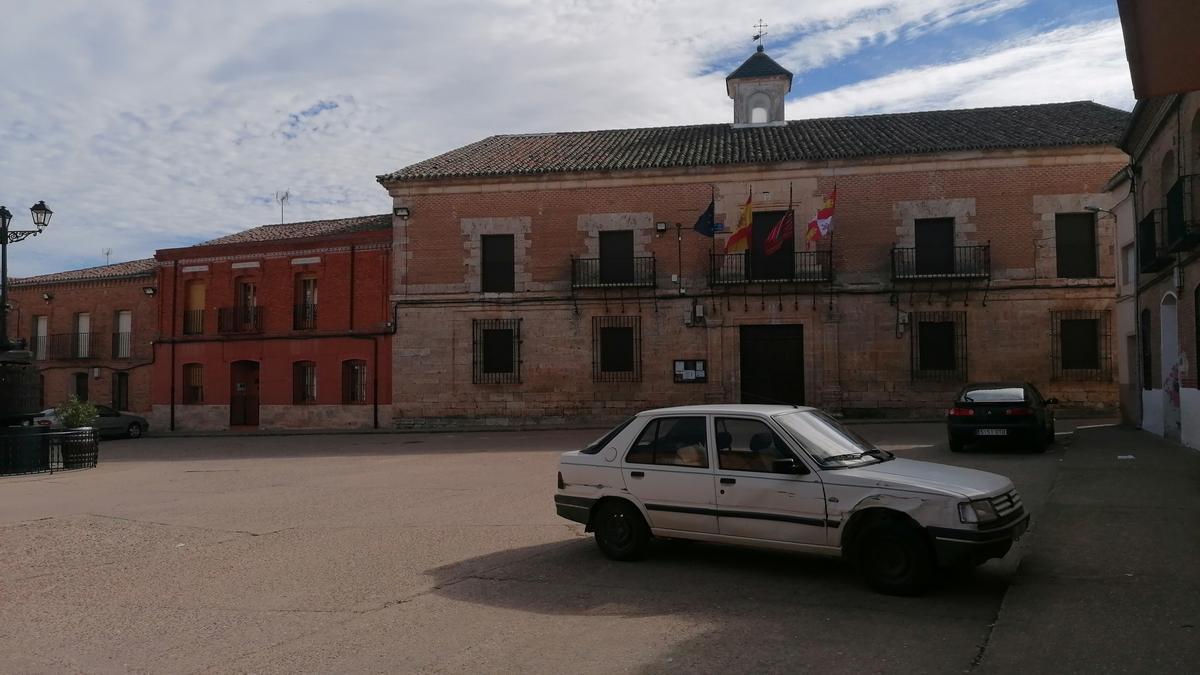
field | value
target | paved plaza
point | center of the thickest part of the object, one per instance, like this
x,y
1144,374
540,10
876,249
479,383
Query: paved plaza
x,y
442,552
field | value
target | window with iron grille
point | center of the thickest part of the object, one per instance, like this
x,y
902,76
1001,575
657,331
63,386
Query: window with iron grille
x,y
1147,354
304,382
496,263
1080,345
497,351
120,391
193,383
354,381
1075,245
939,346
616,349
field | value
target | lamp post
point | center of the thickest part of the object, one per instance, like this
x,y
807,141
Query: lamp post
x,y
41,217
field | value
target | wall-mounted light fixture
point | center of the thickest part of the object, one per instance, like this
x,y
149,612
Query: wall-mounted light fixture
x,y
401,212
149,290
660,227
47,296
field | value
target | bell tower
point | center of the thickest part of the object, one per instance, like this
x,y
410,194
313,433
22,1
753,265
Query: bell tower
x,y
758,88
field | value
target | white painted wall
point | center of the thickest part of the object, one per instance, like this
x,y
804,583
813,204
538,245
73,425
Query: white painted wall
x,y
1152,413
1189,403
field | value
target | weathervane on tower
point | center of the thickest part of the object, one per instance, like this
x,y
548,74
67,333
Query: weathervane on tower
x,y
761,27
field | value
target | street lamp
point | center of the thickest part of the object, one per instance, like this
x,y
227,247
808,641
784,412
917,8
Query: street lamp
x,y
41,218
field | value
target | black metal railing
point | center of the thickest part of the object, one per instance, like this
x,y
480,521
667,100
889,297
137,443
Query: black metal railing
x,y
193,322
122,345
1153,254
65,346
613,273
26,450
1183,214
739,268
955,262
39,345
304,316
240,319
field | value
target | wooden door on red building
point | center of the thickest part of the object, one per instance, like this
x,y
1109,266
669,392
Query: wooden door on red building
x,y
243,393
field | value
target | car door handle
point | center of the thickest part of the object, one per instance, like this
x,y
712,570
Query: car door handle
x,y
728,481
636,474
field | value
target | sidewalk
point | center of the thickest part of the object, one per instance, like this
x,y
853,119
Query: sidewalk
x,y
1110,581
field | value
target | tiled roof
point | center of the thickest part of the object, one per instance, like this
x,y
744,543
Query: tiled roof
x,y
133,268
917,133
759,65
311,228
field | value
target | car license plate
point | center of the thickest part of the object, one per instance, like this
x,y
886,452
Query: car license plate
x,y
991,432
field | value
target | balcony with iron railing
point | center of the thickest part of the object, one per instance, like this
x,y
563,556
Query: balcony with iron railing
x,y
955,262
304,316
727,269
245,319
71,346
193,322
1153,253
636,272
122,345
1183,214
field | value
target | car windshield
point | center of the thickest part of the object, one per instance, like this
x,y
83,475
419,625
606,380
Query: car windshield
x,y
828,442
993,395
598,444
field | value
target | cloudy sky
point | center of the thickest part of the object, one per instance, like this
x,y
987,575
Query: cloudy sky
x,y
155,123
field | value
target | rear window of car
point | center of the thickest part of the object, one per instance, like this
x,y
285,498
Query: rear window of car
x,y
993,395
598,444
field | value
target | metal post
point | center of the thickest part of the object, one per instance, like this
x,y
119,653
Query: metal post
x,y
4,288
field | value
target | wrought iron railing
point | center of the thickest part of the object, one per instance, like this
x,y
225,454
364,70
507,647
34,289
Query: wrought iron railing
x,y
35,450
613,273
66,346
39,345
122,345
304,316
1183,213
956,262
193,322
739,268
1153,254
240,319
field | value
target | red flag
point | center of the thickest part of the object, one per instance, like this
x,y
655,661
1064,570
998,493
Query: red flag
x,y
822,224
783,231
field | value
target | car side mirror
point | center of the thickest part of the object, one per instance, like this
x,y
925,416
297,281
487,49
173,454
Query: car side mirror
x,y
788,465
1051,401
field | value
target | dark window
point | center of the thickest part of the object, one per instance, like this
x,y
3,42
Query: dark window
x,y
616,349
193,383
935,245
748,445
80,382
939,345
497,351
304,313
1080,348
1075,244
120,391
616,257
354,381
598,444
675,441
1147,354
780,265
304,382
497,263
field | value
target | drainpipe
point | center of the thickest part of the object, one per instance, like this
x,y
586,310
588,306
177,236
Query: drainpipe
x,y
174,307
1131,173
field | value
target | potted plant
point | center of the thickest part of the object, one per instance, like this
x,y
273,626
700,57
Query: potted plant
x,y
79,450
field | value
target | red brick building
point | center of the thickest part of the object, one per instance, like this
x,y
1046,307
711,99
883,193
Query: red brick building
x,y
556,277
280,326
90,331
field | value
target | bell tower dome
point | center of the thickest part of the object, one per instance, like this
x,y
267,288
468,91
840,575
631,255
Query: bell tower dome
x,y
758,88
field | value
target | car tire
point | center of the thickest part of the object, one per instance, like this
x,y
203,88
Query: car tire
x,y
894,557
620,531
134,431
1051,436
957,444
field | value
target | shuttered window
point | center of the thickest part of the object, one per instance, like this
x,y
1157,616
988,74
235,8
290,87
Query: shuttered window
x,y
497,263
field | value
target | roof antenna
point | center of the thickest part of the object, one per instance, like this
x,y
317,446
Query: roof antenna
x,y
282,198
761,26
107,253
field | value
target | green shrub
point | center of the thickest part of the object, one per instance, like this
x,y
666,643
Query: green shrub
x,y
74,413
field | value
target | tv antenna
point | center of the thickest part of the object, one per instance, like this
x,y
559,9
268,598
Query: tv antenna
x,y
282,198
107,253
761,27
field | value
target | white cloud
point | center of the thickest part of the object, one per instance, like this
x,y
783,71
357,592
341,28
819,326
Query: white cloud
x,y
152,124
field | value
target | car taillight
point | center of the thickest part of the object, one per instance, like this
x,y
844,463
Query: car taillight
x,y
43,423
1019,412
561,484
961,412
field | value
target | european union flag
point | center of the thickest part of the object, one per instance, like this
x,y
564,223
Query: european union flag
x,y
706,224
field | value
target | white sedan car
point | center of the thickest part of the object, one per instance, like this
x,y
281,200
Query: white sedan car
x,y
789,478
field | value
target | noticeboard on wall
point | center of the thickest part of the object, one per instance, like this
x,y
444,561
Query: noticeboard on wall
x,y
691,371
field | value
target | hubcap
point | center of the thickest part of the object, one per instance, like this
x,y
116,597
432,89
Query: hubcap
x,y
891,558
618,532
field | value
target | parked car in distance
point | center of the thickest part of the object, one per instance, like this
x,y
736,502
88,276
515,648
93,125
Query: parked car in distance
x,y
1008,411
109,423
789,478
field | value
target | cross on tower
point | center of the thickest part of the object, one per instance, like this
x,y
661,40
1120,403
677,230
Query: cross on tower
x,y
761,26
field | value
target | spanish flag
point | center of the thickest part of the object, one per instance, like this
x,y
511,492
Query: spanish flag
x,y
822,224
740,239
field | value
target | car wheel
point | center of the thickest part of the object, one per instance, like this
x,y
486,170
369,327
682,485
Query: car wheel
x,y
1051,436
134,431
621,532
894,557
957,445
